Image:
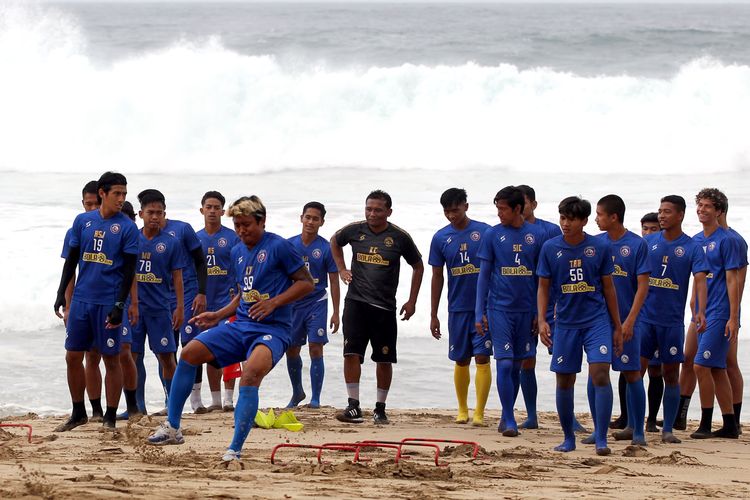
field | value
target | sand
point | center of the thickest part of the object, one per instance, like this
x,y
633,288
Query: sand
x,y
89,463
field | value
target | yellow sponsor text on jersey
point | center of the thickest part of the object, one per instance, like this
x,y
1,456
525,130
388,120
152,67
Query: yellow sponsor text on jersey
x,y
663,283
581,287
147,278
376,259
98,257
515,271
463,270
254,296
216,271
619,272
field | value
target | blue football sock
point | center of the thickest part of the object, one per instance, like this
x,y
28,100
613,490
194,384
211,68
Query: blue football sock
x,y
317,373
516,376
565,405
163,382
636,401
591,394
603,402
294,367
529,389
244,416
506,391
182,384
671,404
140,391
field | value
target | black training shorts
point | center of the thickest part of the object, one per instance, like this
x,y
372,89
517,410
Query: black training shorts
x,y
364,323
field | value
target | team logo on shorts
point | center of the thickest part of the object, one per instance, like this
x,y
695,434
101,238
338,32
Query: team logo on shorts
x,y
529,239
451,348
222,242
589,251
656,353
317,253
262,256
267,337
188,329
110,342
115,228
172,233
560,359
487,344
528,347
164,341
388,241
625,358
321,332
603,349
679,251
711,246
385,349
161,247
124,331
673,350
625,251
475,235
506,346
706,354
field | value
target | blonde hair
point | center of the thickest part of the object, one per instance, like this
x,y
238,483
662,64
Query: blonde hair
x,y
250,206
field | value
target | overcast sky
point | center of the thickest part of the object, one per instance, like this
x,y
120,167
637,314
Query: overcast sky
x,y
707,2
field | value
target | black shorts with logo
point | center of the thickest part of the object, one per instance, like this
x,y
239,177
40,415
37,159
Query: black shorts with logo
x,y
365,323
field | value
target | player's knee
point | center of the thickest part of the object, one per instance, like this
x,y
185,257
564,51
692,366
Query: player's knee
x,y
481,360
528,364
74,357
316,350
111,362
466,362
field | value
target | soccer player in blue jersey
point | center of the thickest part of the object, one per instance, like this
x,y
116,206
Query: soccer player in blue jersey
x,y
579,268
722,315
309,314
632,270
674,256
506,290
270,275
455,246
103,245
217,242
528,365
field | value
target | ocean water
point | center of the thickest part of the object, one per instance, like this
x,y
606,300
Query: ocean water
x,y
329,101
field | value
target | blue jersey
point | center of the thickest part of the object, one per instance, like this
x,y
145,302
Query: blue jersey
x,y
741,245
458,251
319,262
672,262
102,243
217,249
186,235
157,258
552,230
722,254
575,274
513,254
262,273
66,243
630,257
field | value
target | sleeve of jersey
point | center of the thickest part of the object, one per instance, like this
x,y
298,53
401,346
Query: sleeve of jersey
x,y
436,255
181,258
642,263
329,262
608,264
543,268
698,261
289,257
743,251
411,252
130,240
66,244
343,236
730,253
75,233
485,246
190,238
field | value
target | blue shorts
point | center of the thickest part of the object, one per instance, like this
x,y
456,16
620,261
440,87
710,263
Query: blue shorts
x,y
232,343
158,328
630,359
511,334
187,331
464,343
568,346
713,346
126,332
85,329
667,341
309,323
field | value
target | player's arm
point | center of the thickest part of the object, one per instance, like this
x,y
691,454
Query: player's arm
x,y
68,272
208,319
335,301
302,285
199,261
701,295
408,309
733,292
542,301
436,289
610,297
133,309
114,318
68,298
480,305
178,316
640,297
338,257
741,275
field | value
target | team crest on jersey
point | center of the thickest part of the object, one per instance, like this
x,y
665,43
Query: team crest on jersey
x,y
164,341
110,342
172,233
188,329
625,358
317,253
222,242
267,337
589,251
388,241
673,350
321,332
711,246
529,239
115,228
603,349
161,247
679,251
706,354
475,236
262,256
625,251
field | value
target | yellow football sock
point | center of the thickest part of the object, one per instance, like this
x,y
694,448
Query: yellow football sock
x,y
461,378
482,382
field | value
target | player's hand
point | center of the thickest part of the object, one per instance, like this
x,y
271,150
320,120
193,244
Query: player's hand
x,y
407,311
617,340
545,334
114,318
435,327
627,330
133,314
59,302
346,276
731,330
482,327
205,320
66,313
700,322
199,304
178,316
335,322
535,326
262,309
